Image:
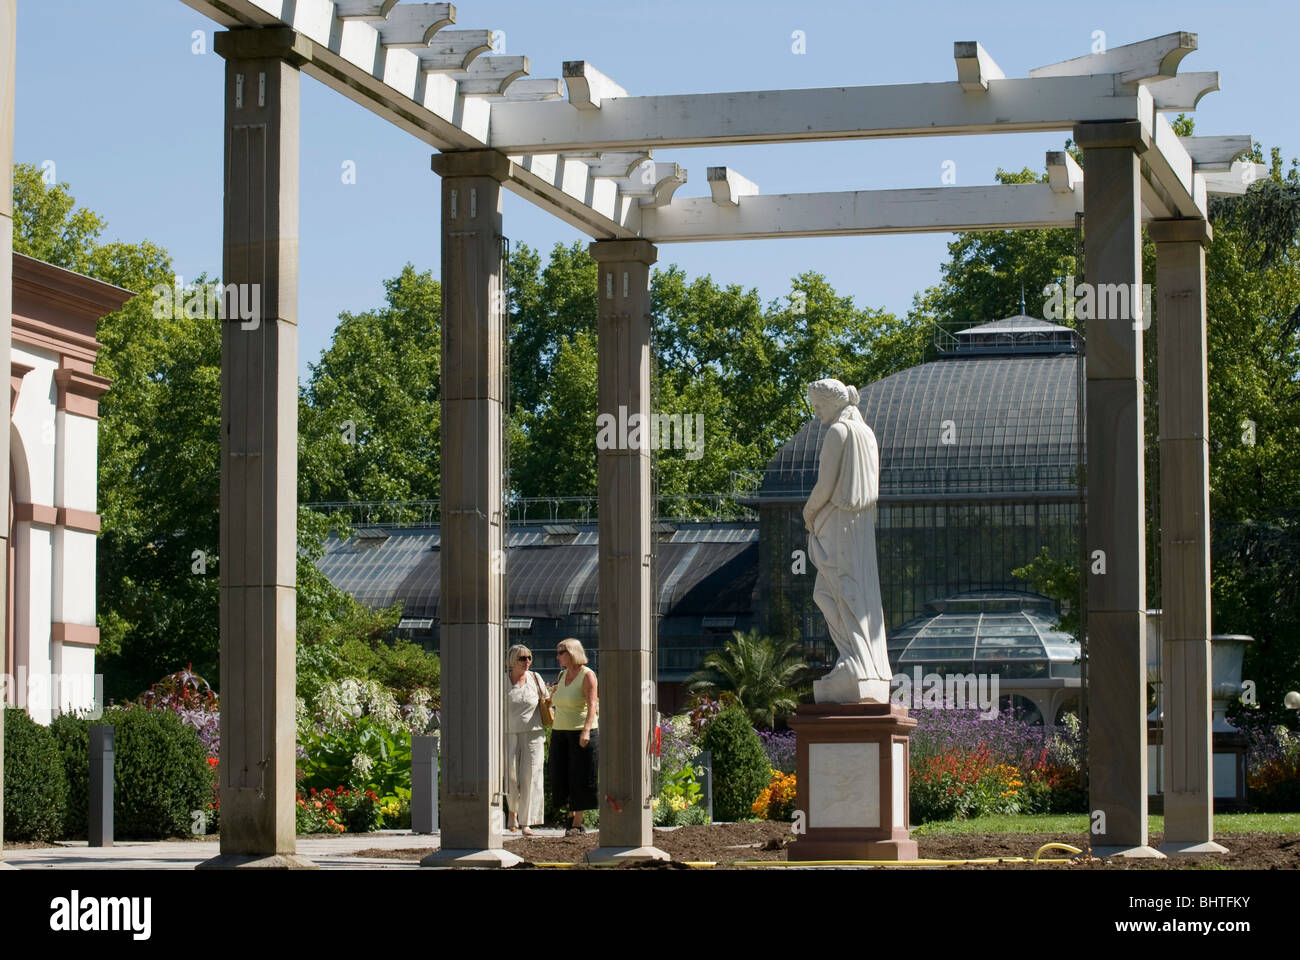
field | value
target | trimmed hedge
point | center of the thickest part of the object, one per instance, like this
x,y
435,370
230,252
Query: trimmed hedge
x,y
36,789
740,767
161,773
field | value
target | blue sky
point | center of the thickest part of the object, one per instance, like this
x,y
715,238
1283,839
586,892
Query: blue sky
x,y
131,119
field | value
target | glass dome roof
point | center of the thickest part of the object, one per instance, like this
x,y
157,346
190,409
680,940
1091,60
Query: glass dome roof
x,y
997,414
1003,632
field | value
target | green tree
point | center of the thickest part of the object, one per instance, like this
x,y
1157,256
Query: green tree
x,y
763,673
370,413
158,588
718,352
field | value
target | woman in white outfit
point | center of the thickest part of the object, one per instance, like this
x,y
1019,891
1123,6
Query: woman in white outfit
x,y
525,741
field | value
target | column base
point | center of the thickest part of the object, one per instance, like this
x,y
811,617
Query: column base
x,y
471,858
614,855
1190,848
257,861
1141,852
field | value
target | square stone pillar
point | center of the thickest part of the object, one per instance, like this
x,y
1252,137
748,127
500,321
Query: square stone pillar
x,y
472,603
259,448
1185,536
1116,532
627,634
8,33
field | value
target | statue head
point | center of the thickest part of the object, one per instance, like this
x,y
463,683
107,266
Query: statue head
x,y
828,397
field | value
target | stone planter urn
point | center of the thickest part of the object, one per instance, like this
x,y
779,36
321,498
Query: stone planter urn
x,y
1226,653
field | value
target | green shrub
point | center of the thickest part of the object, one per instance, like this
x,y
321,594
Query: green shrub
x,y
36,789
71,736
740,768
161,774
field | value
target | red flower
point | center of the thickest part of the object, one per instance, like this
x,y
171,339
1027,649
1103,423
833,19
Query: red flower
x,y
212,762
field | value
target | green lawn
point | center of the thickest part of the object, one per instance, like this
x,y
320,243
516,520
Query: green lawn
x,y
1077,824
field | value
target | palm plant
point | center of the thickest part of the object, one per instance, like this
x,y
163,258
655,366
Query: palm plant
x,y
763,673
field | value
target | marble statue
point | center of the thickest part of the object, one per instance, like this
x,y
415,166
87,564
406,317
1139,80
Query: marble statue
x,y
841,519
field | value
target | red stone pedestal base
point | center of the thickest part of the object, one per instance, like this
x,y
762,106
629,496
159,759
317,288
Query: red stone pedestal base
x,y
852,768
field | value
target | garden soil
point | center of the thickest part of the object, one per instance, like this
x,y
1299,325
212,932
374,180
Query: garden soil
x,y
725,843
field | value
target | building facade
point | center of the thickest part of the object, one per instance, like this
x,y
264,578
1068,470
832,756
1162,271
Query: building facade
x,y
53,513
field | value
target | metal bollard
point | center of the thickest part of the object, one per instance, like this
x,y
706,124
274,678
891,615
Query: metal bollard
x,y
705,772
424,784
101,785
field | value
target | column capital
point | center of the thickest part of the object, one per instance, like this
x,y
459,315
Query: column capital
x,y
1099,134
79,392
264,43
1184,230
621,251
473,163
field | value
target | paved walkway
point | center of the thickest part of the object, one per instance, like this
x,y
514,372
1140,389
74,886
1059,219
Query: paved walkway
x,y
330,853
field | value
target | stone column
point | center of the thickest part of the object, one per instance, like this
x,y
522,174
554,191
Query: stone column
x,y
1185,536
627,636
259,448
472,603
8,33
1116,535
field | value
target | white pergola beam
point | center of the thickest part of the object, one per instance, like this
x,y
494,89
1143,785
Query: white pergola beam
x,y
791,116
533,90
727,186
863,212
975,68
653,182
415,24
1236,180
588,87
1171,165
363,9
1184,91
619,166
490,76
1215,153
1157,58
565,186
455,51
1063,174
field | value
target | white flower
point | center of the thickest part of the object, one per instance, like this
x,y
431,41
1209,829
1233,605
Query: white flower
x,y
362,764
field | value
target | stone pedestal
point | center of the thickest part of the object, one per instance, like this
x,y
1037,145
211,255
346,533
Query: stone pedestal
x,y
852,770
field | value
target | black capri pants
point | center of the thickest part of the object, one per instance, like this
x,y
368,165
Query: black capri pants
x,y
573,770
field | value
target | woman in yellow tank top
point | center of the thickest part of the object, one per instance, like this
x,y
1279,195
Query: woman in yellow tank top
x,y
574,759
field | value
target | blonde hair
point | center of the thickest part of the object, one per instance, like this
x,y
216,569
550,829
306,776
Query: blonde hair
x,y
573,648
513,653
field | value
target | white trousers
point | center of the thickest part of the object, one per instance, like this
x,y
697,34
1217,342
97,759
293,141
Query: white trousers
x,y
524,784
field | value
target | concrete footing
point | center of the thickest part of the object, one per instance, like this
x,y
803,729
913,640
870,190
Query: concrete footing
x,y
615,855
276,861
1191,849
1140,852
487,858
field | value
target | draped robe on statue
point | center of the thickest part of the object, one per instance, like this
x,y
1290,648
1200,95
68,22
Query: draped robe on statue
x,y
842,546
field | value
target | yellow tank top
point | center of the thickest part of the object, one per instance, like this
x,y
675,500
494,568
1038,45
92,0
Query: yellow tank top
x,y
570,704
